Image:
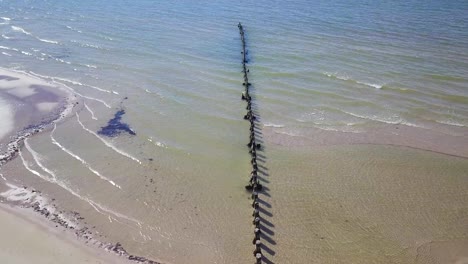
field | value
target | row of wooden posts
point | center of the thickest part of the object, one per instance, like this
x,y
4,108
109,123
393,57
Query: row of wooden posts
x,y
254,185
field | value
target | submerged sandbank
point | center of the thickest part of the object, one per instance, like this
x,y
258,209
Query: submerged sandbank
x,y
365,204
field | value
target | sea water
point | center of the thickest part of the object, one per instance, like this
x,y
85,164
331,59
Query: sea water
x,y
174,191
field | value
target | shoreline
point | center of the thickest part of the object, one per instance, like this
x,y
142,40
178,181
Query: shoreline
x,y
55,246
29,204
35,204
28,123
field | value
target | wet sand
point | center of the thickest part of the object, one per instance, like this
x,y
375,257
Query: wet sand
x,y
27,239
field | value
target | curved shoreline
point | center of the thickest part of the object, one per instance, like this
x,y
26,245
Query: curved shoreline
x,y
30,198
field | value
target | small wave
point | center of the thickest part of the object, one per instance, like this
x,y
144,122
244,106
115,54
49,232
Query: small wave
x,y
86,164
336,76
8,48
30,196
272,125
37,158
347,78
27,166
6,18
22,30
19,29
26,53
394,120
5,36
288,133
6,54
157,143
376,86
65,187
450,123
105,142
53,79
3,177
80,84
74,29
48,41
87,45
90,111
62,61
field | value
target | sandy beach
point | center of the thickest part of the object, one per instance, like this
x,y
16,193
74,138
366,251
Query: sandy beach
x,y
26,238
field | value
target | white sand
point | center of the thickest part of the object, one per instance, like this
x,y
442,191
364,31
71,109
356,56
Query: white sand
x,y
23,241
46,107
6,118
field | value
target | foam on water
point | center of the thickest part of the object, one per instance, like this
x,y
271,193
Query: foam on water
x,y
109,145
157,143
376,86
37,158
90,111
28,167
451,123
8,48
391,120
69,88
347,78
86,164
28,196
48,41
20,29
77,83
272,125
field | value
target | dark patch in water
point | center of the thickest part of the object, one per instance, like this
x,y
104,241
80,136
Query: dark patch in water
x,y
115,126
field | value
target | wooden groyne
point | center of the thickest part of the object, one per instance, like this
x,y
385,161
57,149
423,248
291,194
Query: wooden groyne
x,y
253,185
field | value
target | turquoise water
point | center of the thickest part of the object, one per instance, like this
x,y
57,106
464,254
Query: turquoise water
x,y
351,66
334,65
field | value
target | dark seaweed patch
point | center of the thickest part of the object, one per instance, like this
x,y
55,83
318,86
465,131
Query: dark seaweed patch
x,y
115,126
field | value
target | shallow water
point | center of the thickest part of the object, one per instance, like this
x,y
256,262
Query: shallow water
x,y
174,191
